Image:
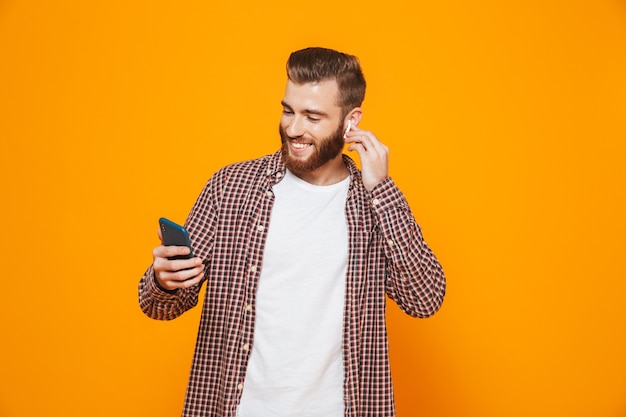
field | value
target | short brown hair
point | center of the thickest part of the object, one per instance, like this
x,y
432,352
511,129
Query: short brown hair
x,y
319,64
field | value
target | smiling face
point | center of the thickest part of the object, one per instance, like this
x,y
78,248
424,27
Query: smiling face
x,y
311,127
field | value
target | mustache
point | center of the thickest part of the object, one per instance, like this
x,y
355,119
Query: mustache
x,y
284,137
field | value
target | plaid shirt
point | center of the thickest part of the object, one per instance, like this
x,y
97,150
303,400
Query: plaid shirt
x,y
228,227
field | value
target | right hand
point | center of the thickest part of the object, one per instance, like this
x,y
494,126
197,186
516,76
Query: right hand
x,y
178,273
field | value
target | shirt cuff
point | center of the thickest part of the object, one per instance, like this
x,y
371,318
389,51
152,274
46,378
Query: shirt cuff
x,y
386,195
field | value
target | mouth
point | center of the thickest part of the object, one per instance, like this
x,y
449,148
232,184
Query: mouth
x,y
299,146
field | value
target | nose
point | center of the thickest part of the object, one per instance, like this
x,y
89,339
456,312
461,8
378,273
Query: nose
x,y
295,128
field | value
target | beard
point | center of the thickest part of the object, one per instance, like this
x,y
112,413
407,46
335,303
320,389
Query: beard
x,y
324,150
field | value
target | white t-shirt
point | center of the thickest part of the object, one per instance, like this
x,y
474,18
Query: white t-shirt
x,y
295,367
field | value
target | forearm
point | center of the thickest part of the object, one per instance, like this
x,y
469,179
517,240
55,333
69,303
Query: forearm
x,y
415,279
161,304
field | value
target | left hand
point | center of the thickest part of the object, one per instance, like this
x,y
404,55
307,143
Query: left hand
x,y
374,156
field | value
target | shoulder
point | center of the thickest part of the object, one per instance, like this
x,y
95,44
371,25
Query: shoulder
x,y
242,172
251,165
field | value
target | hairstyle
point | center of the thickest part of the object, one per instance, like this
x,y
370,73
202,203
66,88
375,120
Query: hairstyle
x,y
319,64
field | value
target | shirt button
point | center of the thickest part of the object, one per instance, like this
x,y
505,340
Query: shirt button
x,y
269,171
240,387
375,202
246,347
279,175
249,307
253,268
269,193
390,242
260,228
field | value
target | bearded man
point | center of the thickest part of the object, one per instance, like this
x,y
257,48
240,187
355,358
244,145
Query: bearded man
x,y
299,250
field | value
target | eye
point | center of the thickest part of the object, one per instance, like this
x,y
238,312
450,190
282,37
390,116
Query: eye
x,y
313,119
287,111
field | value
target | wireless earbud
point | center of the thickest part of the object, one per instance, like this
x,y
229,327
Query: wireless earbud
x,y
348,128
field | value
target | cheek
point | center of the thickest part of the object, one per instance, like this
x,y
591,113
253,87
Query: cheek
x,y
320,130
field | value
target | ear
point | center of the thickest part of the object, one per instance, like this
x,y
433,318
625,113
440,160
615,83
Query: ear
x,y
354,116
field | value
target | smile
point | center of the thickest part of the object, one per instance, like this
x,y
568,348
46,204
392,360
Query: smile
x,y
299,146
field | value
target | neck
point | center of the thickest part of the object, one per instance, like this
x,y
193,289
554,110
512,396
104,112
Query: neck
x,y
330,173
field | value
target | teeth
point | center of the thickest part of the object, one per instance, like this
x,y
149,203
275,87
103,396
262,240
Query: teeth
x,y
299,145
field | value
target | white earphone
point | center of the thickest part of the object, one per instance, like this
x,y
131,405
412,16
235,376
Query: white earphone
x,y
348,128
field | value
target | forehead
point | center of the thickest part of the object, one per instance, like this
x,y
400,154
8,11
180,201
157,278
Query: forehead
x,y
312,96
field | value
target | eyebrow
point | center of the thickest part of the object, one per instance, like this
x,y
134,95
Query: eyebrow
x,y
306,111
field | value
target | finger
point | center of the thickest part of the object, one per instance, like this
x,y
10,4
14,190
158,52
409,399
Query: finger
x,y
371,147
180,279
176,265
358,147
355,128
355,131
181,264
170,273
170,251
192,281
358,139
369,140
182,274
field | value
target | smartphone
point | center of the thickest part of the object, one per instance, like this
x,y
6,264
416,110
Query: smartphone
x,y
175,235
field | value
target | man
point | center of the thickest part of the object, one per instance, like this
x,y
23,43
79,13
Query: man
x,y
299,250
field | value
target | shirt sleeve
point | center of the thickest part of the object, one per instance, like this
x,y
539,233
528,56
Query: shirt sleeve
x,y
161,304
415,279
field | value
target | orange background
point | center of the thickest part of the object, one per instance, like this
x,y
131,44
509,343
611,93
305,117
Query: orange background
x,y
507,128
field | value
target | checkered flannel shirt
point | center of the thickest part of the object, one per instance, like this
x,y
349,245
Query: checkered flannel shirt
x,y
228,227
